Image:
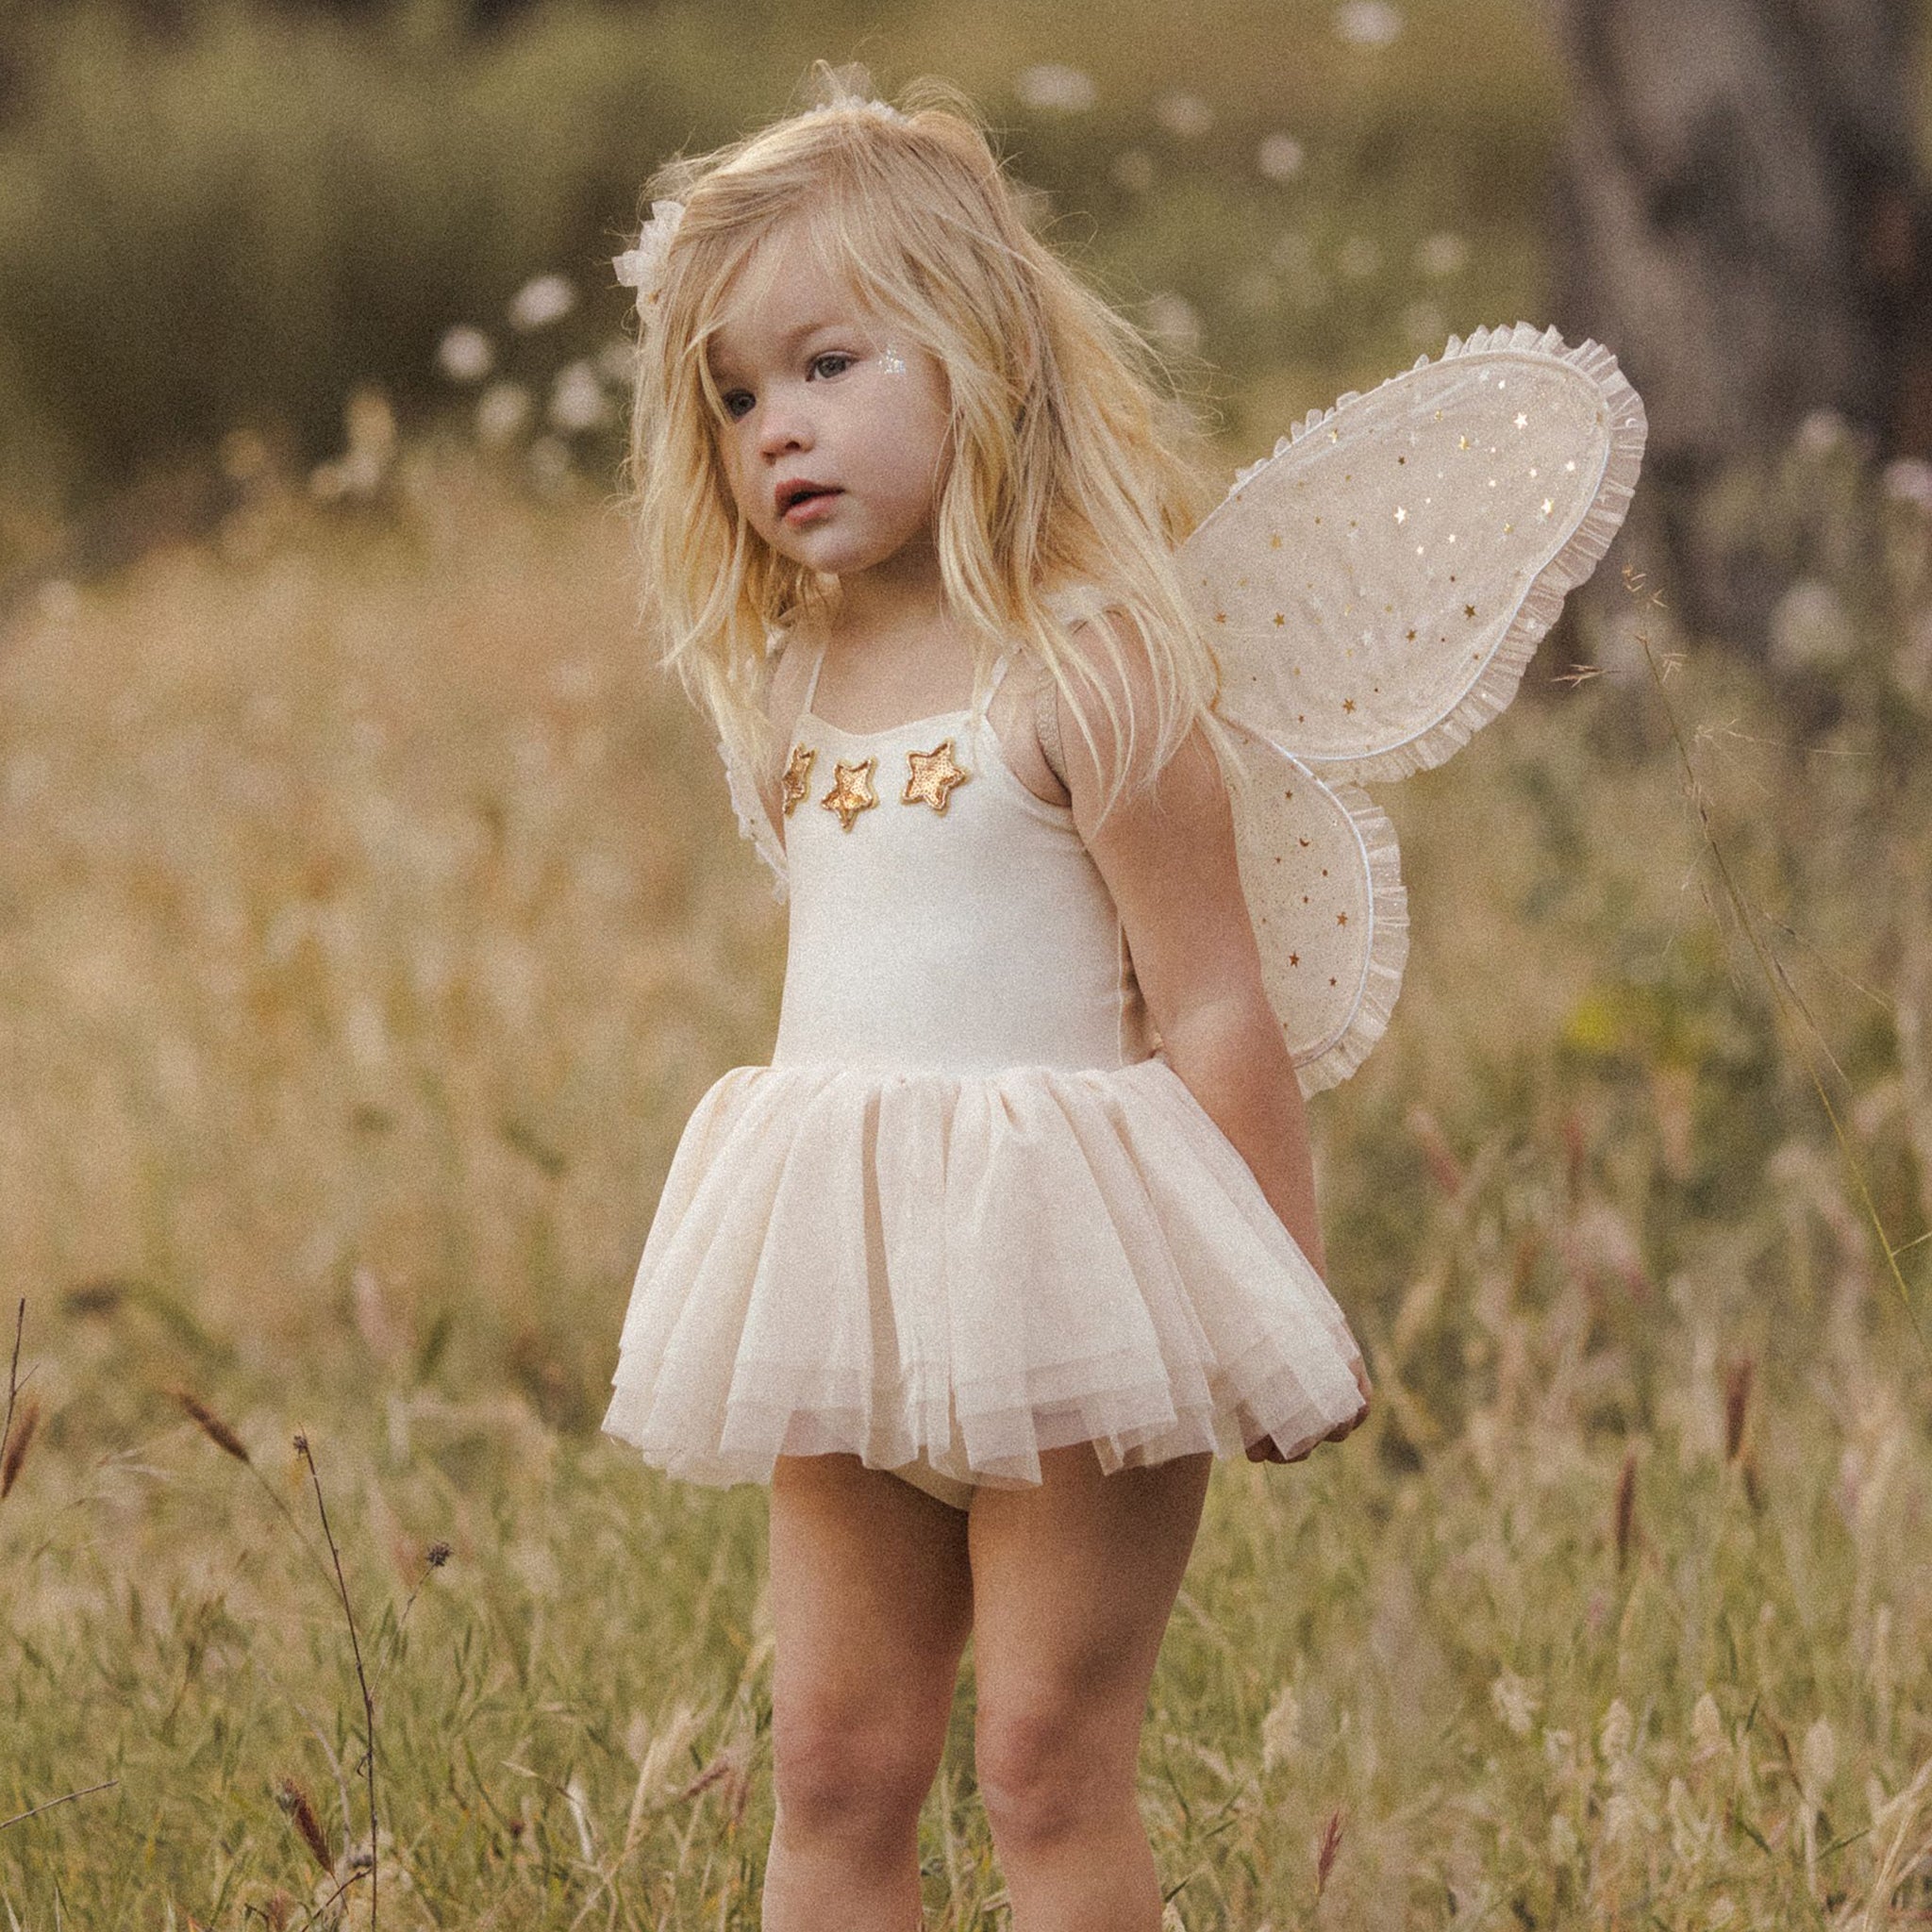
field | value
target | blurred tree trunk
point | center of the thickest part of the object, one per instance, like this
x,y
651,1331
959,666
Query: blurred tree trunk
x,y
1740,216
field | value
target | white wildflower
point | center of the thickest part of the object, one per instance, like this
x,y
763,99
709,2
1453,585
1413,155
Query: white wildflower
x,y
616,361
1281,1729
1821,432
577,400
1910,480
1184,114
1367,23
1441,253
1810,628
541,300
1515,1701
1055,88
1175,321
464,354
1280,157
502,411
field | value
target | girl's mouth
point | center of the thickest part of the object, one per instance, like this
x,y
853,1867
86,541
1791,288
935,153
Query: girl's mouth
x,y
801,503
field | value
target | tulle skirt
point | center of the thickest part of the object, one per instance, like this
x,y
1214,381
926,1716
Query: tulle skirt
x,y
946,1274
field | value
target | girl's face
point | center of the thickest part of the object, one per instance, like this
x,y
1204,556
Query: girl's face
x,y
834,435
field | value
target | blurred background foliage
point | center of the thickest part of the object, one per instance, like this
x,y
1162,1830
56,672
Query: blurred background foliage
x,y
220,214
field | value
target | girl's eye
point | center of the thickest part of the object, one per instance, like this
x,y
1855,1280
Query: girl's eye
x,y
735,402
834,362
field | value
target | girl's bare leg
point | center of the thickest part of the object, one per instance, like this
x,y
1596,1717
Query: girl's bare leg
x,y
871,1601
1072,1588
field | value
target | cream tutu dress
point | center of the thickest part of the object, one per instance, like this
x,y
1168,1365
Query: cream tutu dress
x,y
969,1212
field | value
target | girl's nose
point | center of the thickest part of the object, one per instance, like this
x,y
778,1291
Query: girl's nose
x,y
785,426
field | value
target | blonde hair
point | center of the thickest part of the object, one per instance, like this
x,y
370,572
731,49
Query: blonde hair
x,y
1066,468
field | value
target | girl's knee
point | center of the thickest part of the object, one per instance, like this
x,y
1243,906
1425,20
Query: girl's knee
x,y
837,1774
1048,1772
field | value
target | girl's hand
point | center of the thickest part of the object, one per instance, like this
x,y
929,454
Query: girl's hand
x,y
1268,1450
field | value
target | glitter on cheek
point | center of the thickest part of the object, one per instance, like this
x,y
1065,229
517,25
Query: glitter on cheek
x,y
890,362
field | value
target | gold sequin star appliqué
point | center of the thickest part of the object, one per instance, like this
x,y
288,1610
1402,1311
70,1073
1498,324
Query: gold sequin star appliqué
x,y
853,792
797,775
934,776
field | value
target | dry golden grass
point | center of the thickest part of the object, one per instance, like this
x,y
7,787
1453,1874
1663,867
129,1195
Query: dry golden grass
x,y
370,917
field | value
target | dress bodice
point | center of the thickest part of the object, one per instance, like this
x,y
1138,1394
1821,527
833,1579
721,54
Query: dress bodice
x,y
942,915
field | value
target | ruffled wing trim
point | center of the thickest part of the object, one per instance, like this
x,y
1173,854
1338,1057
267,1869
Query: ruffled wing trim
x,y
1491,692
1335,1059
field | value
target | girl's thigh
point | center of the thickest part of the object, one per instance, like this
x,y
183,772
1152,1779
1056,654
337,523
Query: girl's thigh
x,y
872,1603
1072,1584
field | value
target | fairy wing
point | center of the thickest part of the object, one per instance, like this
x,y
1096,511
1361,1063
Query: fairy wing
x,y
747,802
1372,591
1320,873
754,821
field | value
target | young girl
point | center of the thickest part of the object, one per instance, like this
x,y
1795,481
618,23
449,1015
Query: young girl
x,y
1017,1229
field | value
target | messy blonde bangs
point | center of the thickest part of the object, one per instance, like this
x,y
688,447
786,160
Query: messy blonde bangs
x,y
1069,469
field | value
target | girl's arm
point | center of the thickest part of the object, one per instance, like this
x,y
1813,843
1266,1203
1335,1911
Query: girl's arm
x,y
1167,856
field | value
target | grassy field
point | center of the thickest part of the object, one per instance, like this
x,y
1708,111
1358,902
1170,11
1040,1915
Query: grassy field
x,y
370,917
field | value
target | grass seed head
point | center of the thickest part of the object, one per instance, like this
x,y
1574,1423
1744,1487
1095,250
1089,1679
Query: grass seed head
x,y
1626,1513
27,1423
1736,1405
211,1425
295,1801
1327,1852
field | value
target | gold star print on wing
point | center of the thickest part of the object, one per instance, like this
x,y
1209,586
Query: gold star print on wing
x,y
853,792
796,775
934,774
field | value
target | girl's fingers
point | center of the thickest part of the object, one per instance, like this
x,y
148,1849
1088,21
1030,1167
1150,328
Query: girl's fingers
x,y
1268,1450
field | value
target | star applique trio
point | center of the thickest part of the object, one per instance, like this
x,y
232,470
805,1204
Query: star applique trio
x,y
934,776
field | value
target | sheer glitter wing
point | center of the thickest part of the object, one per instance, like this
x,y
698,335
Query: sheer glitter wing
x,y
1372,591
747,803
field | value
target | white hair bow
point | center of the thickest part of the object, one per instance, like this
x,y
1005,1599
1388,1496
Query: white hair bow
x,y
642,265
